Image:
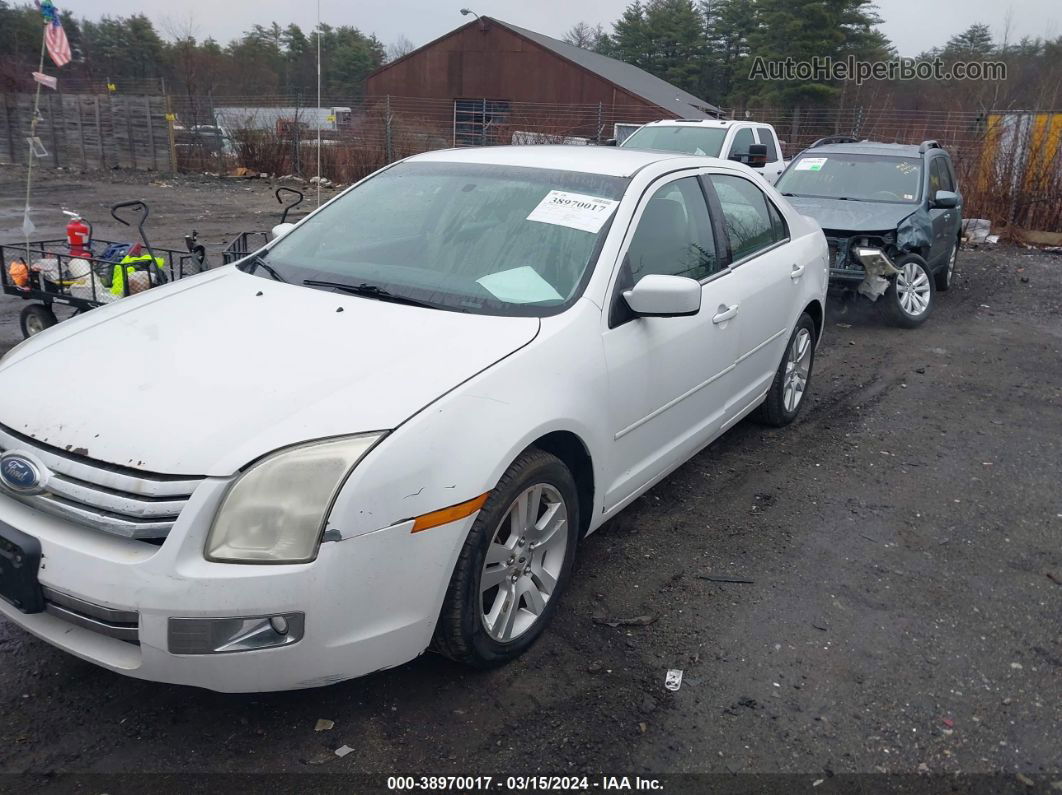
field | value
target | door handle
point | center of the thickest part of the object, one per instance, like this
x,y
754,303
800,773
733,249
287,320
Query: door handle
x,y
725,315
797,272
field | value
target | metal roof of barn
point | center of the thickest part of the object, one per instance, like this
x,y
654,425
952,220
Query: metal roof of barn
x,y
624,75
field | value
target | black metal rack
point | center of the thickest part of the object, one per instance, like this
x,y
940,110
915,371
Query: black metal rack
x,y
55,276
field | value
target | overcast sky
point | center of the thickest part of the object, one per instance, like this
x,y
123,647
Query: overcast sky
x,y
913,25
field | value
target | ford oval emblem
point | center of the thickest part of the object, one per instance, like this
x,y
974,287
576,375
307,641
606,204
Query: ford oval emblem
x,y
21,474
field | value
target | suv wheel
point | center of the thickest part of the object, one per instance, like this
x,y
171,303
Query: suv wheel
x,y
944,275
910,297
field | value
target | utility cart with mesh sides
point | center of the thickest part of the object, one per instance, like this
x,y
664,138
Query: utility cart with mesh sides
x,y
247,242
48,272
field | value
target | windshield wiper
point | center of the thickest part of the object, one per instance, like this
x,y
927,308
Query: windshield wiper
x,y
789,194
368,291
258,261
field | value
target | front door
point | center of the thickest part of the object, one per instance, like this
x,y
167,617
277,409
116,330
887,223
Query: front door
x,y
668,376
943,218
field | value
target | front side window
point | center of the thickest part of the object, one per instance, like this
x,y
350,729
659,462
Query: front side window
x,y
691,140
767,139
742,141
939,177
752,222
492,239
674,234
854,177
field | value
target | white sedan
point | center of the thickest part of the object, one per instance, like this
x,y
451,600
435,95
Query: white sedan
x,y
389,430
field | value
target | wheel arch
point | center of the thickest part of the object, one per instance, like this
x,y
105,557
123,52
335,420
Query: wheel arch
x,y
571,449
818,316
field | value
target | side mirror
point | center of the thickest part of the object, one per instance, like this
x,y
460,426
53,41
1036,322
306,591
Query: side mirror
x,y
610,142
282,229
945,199
757,157
658,295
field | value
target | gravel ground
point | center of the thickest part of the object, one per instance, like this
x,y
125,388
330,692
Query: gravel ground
x,y
898,611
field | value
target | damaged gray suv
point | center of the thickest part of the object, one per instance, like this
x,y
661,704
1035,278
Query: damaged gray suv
x,y
892,215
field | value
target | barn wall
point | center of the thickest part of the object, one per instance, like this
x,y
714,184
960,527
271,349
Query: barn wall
x,y
496,64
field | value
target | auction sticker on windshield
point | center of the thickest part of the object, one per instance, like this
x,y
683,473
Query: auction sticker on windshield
x,y
574,210
810,164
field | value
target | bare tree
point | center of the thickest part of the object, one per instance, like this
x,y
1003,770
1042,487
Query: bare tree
x,y
400,47
583,35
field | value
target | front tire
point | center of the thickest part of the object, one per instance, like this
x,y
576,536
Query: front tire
x,y
912,295
515,562
792,378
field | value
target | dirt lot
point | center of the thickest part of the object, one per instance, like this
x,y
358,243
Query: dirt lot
x,y
900,608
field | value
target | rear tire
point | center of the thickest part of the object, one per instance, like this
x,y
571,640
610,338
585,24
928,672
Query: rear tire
x,y
507,582
944,276
35,318
910,299
792,379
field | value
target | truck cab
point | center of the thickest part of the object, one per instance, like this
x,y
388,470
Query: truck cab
x,y
753,143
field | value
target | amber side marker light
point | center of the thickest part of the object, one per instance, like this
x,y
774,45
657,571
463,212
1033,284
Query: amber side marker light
x,y
446,515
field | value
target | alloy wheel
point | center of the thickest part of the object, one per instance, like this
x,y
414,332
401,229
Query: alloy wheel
x,y
913,289
523,562
797,367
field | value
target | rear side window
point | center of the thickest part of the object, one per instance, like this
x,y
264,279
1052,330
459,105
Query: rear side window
x,y
767,139
752,222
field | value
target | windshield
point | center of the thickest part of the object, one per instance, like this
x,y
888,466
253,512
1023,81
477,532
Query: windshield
x,y
873,178
672,138
494,239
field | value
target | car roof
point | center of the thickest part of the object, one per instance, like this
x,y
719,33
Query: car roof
x,y
721,123
869,148
608,160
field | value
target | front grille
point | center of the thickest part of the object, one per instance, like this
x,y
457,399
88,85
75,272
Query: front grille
x,y
117,500
121,624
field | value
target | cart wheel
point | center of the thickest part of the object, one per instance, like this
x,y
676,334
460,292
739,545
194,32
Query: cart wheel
x,y
35,318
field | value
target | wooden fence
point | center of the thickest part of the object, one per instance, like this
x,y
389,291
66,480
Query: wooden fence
x,y
89,131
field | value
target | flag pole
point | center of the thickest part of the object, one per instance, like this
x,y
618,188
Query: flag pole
x,y
26,223
318,103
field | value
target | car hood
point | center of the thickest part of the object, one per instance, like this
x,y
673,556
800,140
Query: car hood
x,y
852,216
203,376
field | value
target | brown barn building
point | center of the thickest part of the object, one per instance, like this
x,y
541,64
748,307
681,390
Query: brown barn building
x,y
489,69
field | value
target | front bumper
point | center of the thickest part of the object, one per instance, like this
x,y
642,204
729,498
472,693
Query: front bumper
x,y
370,602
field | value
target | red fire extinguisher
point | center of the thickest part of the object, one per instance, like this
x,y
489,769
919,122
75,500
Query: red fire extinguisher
x,y
78,235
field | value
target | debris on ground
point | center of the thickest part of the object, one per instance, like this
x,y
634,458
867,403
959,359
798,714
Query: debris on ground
x,y
673,680
323,725
636,621
595,667
343,750
976,230
734,580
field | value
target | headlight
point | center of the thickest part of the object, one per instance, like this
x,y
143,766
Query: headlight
x,y
275,511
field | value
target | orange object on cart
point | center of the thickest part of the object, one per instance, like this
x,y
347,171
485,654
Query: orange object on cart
x,y
19,272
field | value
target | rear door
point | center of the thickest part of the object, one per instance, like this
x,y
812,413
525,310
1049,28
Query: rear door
x,y
765,278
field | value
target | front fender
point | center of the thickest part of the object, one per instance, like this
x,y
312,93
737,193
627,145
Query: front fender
x,y
458,447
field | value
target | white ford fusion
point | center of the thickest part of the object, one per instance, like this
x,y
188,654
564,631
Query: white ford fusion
x,y
390,430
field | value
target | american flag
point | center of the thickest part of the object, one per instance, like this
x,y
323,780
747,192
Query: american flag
x,y
55,40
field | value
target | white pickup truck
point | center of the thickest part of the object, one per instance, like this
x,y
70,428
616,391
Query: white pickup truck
x,y
753,143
